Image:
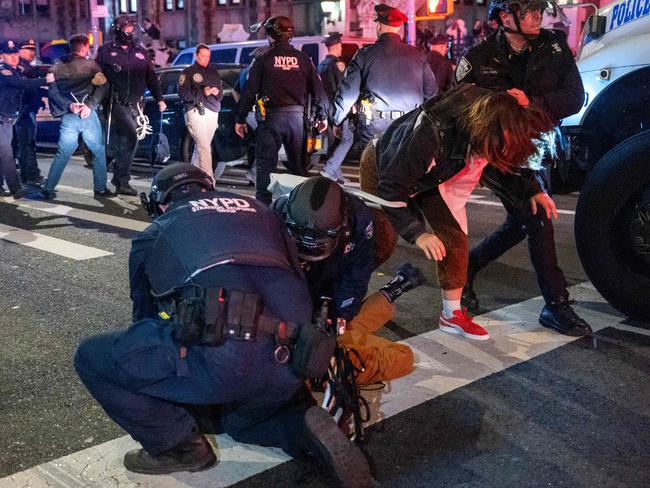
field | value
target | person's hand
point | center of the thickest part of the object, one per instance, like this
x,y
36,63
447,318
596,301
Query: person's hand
x,y
85,111
75,108
520,96
215,91
543,200
432,247
49,78
321,125
337,131
207,91
162,105
241,129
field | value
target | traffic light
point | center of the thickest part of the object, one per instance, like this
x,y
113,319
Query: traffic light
x,y
438,9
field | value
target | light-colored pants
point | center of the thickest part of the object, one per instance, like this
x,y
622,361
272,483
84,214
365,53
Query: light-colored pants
x,y
202,129
384,360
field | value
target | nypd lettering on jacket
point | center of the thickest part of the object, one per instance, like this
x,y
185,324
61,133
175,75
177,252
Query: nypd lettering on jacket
x,y
222,205
286,63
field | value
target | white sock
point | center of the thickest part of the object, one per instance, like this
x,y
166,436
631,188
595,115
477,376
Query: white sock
x,y
448,307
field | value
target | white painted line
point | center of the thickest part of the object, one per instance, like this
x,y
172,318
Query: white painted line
x,y
444,362
474,199
52,245
631,328
64,210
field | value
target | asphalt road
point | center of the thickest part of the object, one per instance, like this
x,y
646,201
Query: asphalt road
x,y
577,415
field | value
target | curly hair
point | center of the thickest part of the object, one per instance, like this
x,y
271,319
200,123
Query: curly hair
x,y
508,135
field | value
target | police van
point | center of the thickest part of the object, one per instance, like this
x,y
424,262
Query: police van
x,y
609,142
240,52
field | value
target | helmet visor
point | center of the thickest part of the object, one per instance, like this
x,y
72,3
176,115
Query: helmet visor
x,y
313,245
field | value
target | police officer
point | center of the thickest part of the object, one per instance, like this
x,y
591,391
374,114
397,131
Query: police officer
x,y
26,123
79,88
201,92
338,249
281,80
535,66
208,310
440,64
12,86
129,71
389,78
331,70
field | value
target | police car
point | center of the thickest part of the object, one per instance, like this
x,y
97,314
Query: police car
x,y
609,141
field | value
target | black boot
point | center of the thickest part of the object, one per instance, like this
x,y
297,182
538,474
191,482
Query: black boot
x,y
193,454
407,278
469,299
560,316
330,448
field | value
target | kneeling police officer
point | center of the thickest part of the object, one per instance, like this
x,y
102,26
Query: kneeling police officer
x,y
215,313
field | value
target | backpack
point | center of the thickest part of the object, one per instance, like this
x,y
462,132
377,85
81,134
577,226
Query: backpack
x,y
160,152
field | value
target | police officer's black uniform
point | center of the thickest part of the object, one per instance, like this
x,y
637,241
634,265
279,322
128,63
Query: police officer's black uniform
x,y
389,77
546,71
330,74
246,263
283,78
26,123
190,87
12,86
129,70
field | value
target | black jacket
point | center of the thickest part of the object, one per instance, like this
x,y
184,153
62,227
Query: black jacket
x,y
407,148
285,75
129,70
345,274
237,233
12,86
191,83
330,74
547,73
443,70
389,73
76,79
32,97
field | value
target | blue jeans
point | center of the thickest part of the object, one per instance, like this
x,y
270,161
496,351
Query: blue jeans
x,y
139,379
333,165
91,131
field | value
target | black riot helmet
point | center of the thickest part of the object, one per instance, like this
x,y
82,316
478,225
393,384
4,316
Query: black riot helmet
x,y
279,27
518,8
182,177
120,24
317,217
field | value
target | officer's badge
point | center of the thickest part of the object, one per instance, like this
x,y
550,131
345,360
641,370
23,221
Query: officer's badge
x,y
99,79
197,77
11,45
464,67
113,53
6,72
556,48
369,231
181,79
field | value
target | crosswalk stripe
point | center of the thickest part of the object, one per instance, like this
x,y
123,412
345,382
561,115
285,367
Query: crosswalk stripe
x,y
66,211
52,245
444,363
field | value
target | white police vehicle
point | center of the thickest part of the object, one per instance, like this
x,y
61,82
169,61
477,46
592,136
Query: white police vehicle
x,y
609,140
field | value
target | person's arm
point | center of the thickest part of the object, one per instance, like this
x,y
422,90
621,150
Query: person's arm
x,y
568,97
348,91
187,90
14,80
359,264
57,99
218,85
251,90
100,89
143,303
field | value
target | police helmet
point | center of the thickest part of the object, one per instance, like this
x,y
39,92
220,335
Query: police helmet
x,y
279,27
169,179
317,217
517,7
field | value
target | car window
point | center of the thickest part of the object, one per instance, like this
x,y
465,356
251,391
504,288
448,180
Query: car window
x,y
223,55
245,56
311,50
169,82
185,58
229,77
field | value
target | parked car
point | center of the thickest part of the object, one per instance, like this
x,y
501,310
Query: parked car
x,y
226,145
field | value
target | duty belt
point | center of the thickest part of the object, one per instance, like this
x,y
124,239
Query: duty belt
x,y
387,114
287,108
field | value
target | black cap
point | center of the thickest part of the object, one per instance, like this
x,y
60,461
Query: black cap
x,y
440,39
9,47
28,44
333,38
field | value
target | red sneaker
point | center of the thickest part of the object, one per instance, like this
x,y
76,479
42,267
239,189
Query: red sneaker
x,y
462,324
